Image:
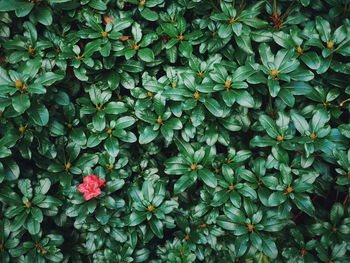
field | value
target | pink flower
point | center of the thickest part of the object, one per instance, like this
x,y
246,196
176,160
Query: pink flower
x,y
91,186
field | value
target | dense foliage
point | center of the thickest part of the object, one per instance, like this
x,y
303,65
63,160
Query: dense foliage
x,y
174,131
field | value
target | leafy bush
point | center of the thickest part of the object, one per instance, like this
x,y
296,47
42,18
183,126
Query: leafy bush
x,y
174,131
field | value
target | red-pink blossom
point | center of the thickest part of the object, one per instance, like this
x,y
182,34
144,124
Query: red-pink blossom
x,y
91,186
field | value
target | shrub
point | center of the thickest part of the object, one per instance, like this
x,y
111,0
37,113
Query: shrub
x,y
174,131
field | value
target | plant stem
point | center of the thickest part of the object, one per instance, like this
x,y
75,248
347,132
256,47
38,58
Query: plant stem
x,y
343,102
275,14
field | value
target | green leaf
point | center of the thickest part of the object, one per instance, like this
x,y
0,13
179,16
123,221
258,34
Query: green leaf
x,y
237,28
174,124
80,73
25,188
243,41
12,170
277,198
256,240
225,30
214,107
345,130
182,184
18,222
147,135
33,226
244,99
39,115
137,218
302,75
235,215
323,28
265,54
185,49
339,250
226,223
220,197
118,235
43,15
149,15
99,122
337,212
305,2
300,123
49,78
247,191
241,245
98,5
287,97
115,108
156,227
283,39
146,54
102,216
208,177
33,65
274,87
311,59
48,202
136,32
37,214
78,136
148,190
36,88
43,187
11,5
184,147
111,145
21,102
259,141
319,119
122,23
132,66
9,197
242,73
91,48
269,126
340,34
304,203
169,29
269,248
125,122
4,152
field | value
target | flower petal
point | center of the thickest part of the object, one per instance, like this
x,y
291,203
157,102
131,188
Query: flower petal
x,y
101,182
82,188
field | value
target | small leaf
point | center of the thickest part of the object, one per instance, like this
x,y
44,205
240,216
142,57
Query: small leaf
x,y
21,102
147,135
312,60
156,227
146,54
112,146
208,177
214,107
137,218
39,115
182,184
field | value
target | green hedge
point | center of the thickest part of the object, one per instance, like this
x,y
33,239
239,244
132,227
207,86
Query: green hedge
x,y
174,131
